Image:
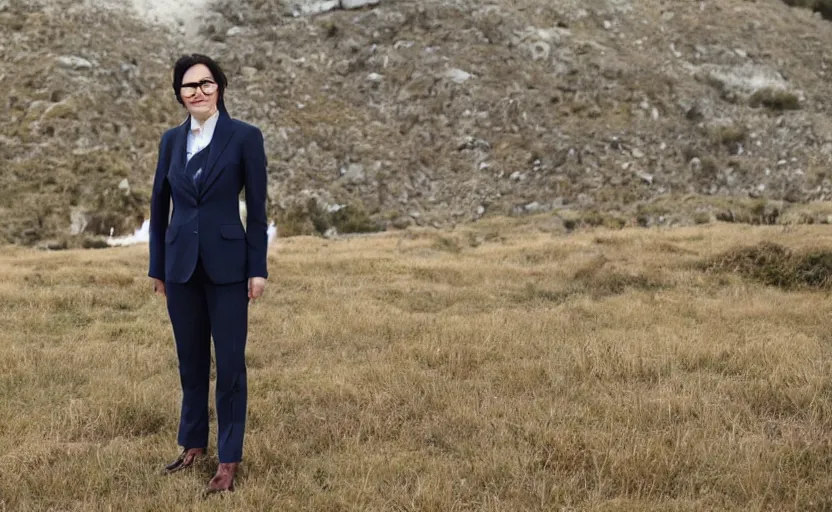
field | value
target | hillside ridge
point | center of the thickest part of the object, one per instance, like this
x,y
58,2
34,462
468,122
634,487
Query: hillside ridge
x,y
431,113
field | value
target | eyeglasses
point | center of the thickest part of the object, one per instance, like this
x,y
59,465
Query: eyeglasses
x,y
207,87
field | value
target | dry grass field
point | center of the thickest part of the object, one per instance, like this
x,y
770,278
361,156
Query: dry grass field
x,y
498,367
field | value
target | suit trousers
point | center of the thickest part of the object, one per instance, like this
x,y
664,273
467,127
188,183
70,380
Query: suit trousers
x,y
198,310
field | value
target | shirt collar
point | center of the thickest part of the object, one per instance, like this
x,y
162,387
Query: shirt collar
x,y
208,125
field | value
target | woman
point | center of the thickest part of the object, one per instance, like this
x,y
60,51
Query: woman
x,y
204,262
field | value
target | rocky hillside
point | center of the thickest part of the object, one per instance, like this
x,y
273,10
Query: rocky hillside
x,y
431,112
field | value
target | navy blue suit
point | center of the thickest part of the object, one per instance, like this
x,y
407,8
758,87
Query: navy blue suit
x,y
205,257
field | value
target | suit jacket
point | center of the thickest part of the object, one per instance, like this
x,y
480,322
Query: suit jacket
x,y
205,224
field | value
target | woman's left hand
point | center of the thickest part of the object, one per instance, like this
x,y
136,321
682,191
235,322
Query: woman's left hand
x,y
256,287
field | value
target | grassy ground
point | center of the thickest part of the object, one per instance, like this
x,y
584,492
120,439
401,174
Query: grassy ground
x,y
495,368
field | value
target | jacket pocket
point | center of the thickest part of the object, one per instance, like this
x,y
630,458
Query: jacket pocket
x,y
170,234
232,232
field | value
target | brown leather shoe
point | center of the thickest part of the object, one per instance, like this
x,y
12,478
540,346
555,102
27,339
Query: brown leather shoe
x,y
185,460
223,480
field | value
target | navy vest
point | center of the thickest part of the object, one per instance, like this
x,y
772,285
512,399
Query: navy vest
x,y
195,170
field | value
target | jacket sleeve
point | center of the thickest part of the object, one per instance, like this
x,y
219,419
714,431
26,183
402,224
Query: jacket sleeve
x,y
256,183
159,212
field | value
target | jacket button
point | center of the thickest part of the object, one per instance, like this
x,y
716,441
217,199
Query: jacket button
x,y
196,232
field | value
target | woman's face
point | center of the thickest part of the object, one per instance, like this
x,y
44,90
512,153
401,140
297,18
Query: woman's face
x,y
199,92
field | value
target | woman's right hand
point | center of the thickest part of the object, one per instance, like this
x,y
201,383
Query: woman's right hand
x,y
159,287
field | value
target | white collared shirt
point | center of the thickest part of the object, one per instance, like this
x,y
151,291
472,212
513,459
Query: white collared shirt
x,y
200,136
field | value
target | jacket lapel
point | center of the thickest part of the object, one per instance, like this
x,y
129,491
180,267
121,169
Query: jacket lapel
x,y
182,146
179,158
222,135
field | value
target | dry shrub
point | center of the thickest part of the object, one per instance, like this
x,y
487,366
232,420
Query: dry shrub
x,y
824,7
311,218
775,265
733,133
774,99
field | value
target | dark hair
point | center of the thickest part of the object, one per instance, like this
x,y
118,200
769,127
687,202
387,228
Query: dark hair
x,y
186,62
